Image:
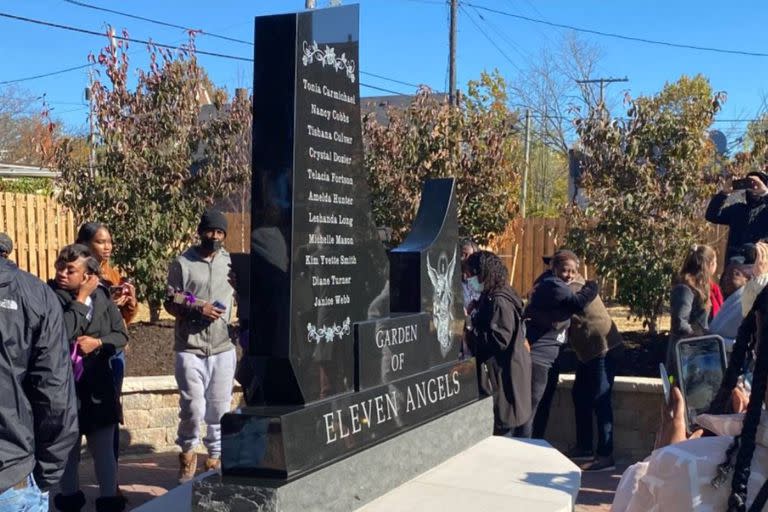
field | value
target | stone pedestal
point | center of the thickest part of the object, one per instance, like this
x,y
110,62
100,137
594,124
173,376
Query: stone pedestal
x,y
358,479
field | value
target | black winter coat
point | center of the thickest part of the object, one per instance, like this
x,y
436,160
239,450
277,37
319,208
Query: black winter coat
x,y
38,419
504,362
96,392
747,220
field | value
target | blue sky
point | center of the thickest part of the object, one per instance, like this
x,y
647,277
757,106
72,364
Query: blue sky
x,y
407,40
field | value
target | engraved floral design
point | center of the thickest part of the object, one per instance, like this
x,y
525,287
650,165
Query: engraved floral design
x,y
328,333
327,56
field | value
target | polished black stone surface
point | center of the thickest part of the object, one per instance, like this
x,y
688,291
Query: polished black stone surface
x,y
425,271
317,264
285,442
392,348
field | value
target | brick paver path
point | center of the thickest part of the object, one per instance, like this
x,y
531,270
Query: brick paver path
x,y
142,479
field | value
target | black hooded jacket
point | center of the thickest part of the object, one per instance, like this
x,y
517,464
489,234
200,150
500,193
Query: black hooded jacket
x,y
499,343
747,220
38,412
548,315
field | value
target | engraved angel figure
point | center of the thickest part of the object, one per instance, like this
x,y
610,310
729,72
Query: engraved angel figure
x,y
442,300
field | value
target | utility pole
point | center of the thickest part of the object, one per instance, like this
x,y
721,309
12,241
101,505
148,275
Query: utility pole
x,y
524,187
452,55
602,82
91,127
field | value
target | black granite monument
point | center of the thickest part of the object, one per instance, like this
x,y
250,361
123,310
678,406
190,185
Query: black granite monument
x,y
335,369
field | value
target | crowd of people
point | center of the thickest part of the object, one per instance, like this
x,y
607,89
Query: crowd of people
x,y
518,347
63,346
64,343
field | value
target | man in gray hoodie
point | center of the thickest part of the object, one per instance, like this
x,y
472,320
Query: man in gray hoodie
x,y
200,297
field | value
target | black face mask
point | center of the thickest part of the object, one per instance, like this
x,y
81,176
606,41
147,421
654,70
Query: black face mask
x,y
210,244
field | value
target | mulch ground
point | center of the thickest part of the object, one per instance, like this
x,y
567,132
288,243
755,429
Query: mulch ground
x,y
150,349
150,352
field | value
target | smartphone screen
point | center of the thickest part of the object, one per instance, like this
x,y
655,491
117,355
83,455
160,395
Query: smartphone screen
x,y
701,363
665,384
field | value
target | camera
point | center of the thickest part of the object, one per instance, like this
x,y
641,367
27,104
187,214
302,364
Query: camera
x,y
742,184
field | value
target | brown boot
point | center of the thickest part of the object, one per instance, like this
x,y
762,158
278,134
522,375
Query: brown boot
x,y
212,464
187,466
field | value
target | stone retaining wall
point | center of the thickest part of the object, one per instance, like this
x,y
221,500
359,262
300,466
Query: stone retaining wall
x,y
636,406
151,407
151,411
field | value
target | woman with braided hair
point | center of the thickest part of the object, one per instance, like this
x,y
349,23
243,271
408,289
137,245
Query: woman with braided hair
x,y
726,471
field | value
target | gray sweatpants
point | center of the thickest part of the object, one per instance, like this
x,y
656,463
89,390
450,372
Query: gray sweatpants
x,y
101,445
205,389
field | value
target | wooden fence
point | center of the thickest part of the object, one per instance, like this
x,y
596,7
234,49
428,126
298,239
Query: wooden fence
x,y
39,227
534,237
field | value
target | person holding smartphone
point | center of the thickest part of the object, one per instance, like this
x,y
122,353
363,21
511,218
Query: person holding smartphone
x,y
96,331
726,469
98,239
744,209
200,297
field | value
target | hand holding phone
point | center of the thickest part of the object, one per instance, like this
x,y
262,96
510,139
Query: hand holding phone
x,y
701,366
666,384
742,184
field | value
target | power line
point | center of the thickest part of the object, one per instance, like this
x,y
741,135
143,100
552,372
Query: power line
x,y
161,45
619,36
489,38
44,75
503,37
115,36
156,22
382,89
393,80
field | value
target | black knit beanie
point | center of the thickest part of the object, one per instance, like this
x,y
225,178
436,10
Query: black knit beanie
x,y
6,244
212,219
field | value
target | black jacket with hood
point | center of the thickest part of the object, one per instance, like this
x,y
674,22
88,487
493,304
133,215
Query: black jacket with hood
x,y
98,397
503,360
38,411
747,219
548,315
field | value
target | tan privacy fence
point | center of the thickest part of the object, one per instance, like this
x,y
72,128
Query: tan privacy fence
x,y
535,237
39,227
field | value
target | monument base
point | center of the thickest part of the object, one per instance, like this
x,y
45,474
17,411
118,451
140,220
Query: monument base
x,y
358,479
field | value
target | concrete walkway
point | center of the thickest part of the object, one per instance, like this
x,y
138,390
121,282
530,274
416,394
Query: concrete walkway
x,y
145,478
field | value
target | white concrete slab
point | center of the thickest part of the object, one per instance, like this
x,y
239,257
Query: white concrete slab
x,y
178,499
498,473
